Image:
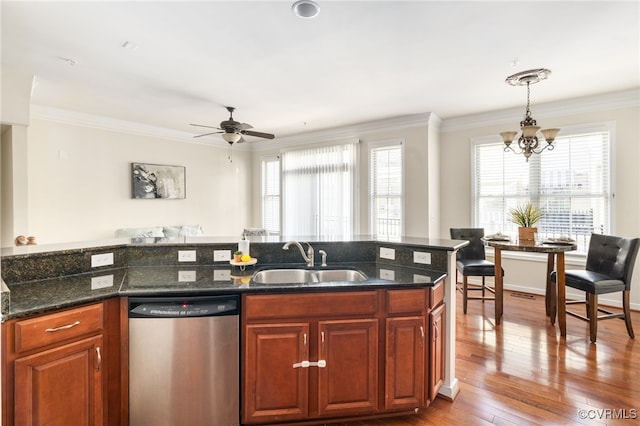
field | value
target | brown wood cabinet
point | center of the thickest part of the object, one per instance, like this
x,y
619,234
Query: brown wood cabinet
x,y
436,350
60,386
55,370
405,362
341,355
309,356
273,389
348,383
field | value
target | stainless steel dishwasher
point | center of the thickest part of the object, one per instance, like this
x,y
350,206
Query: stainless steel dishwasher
x,y
183,361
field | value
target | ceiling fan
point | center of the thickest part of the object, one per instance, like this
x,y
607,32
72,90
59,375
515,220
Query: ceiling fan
x,y
232,131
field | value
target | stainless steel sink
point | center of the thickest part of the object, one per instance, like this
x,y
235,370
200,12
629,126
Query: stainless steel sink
x,y
293,276
283,276
340,275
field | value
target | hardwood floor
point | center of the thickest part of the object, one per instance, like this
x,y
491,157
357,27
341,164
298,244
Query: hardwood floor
x,y
523,373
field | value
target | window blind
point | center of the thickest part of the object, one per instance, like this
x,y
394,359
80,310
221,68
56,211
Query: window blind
x,y
318,191
386,191
570,184
271,195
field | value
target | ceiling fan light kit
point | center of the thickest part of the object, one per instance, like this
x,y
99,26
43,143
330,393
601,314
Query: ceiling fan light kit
x,y
528,142
232,130
231,137
305,8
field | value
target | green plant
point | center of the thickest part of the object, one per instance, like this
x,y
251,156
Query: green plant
x,y
237,253
526,216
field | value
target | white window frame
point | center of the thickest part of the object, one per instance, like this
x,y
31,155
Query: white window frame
x,y
374,146
264,184
566,131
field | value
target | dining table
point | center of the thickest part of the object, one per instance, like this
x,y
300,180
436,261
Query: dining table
x,y
555,295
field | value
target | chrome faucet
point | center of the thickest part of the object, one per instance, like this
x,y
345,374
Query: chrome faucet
x,y
307,257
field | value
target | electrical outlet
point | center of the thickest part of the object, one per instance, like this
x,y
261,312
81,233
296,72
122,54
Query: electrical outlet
x,y
422,257
221,274
101,260
387,253
387,274
186,276
221,255
101,282
186,255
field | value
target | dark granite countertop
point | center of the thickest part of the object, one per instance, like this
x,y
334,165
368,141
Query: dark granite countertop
x,y
29,298
35,297
46,278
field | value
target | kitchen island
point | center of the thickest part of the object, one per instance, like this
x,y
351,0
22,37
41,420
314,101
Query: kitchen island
x,y
45,282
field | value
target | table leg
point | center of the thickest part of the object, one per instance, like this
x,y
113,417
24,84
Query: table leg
x,y
498,284
561,307
550,296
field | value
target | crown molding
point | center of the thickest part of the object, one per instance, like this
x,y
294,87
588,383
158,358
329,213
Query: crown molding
x,y
346,132
586,104
98,122
76,118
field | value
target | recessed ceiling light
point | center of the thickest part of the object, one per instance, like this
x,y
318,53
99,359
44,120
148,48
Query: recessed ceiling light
x,y
305,8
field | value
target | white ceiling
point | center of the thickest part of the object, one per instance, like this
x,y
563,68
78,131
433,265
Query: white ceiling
x,y
357,61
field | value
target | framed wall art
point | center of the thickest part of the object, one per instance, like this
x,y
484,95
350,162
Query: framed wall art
x,y
157,181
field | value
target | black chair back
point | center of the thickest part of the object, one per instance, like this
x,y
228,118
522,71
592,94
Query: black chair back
x,y
613,256
475,249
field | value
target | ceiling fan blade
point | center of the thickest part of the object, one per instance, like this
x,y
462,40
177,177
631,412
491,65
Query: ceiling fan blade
x,y
257,134
206,134
202,125
244,126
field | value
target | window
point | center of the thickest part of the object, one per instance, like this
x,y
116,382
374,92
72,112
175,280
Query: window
x,y
570,184
318,191
386,190
271,195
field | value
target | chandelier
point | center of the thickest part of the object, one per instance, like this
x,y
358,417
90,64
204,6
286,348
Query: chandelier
x,y
528,142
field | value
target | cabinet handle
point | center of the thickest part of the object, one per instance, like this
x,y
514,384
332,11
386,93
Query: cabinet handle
x,y
99,358
321,363
64,327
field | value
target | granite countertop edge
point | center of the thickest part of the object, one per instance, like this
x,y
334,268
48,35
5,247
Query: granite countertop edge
x,y
49,295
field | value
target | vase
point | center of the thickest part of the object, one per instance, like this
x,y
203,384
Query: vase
x,y
527,234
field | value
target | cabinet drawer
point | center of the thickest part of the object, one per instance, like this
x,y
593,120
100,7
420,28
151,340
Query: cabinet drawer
x,y
436,295
311,305
45,330
406,301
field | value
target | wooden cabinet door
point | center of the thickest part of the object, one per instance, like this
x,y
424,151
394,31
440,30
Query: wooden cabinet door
x,y
60,386
405,361
275,390
348,384
436,351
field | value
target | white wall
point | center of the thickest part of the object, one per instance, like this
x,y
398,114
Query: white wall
x,y
16,94
528,273
79,183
